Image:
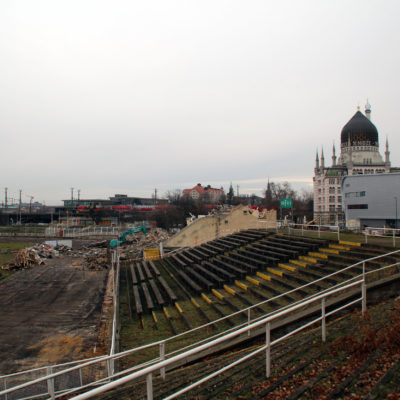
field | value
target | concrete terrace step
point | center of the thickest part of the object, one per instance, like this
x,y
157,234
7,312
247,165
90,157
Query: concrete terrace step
x,y
347,243
299,263
339,247
311,260
318,255
287,267
275,271
330,251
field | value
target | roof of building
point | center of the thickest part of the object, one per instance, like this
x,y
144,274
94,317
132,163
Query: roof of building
x,y
201,190
359,129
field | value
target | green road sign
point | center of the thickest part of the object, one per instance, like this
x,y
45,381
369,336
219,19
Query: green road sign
x,y
287,203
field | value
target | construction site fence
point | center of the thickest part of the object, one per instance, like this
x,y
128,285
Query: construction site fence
x,y
368,234
54,231
66,379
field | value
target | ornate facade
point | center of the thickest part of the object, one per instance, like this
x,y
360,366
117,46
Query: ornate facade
x,y
359,155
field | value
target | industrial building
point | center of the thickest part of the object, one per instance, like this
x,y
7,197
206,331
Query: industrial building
x,y
371,200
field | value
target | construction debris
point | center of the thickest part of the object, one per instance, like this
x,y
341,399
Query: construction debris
x,y
96,263
31,257
95,255
135,244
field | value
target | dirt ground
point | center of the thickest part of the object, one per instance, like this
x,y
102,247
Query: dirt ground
x,y
49,314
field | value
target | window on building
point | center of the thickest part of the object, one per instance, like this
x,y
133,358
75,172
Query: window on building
x,y
331,199
332,181
355,194
332,190
339,199
357,206
331,208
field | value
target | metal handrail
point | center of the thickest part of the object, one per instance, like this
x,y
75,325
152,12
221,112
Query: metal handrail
x,y
95,360
148,371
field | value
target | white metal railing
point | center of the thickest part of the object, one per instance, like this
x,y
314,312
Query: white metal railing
x,y
381,233
148,371
307,228
82,232
109,360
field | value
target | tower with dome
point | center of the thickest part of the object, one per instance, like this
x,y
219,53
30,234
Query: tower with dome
x,y
359,155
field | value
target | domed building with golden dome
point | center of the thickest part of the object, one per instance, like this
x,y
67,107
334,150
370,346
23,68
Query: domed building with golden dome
x,y
359,155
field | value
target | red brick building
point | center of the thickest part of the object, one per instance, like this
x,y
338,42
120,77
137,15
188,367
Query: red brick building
x,y
206,194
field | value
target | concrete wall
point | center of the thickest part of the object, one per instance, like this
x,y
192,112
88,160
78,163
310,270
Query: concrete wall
x,y
209,228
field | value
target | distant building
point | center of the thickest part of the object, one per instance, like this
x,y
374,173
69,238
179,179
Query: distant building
x,y
359,155
118,199
372,200
206,194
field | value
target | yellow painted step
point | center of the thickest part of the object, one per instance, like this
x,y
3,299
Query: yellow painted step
x,y
154,317
299,263
350,243
263,276
253,281
309,259
194,302
330,251
338,247
178,307
241,285
229,290
318,255
206,299
217,294
275,271
288,267
166,312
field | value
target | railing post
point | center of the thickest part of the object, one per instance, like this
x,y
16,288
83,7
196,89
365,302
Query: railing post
x,y
394,237
108,367
323,319
149,384
248,320
319,231
302,230
162,357
338,233
268,350
363,271
364,292
50,384
80,376
5,388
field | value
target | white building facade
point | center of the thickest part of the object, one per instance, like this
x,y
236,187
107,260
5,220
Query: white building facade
x,y
359,155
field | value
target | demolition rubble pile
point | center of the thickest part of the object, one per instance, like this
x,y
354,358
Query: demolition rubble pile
x,y
94,255
135,244
30,257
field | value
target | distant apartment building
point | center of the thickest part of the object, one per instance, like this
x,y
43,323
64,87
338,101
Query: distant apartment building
x,y
207,194
359,146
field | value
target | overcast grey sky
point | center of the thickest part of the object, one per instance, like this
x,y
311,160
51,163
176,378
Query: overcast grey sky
x,y
128,96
